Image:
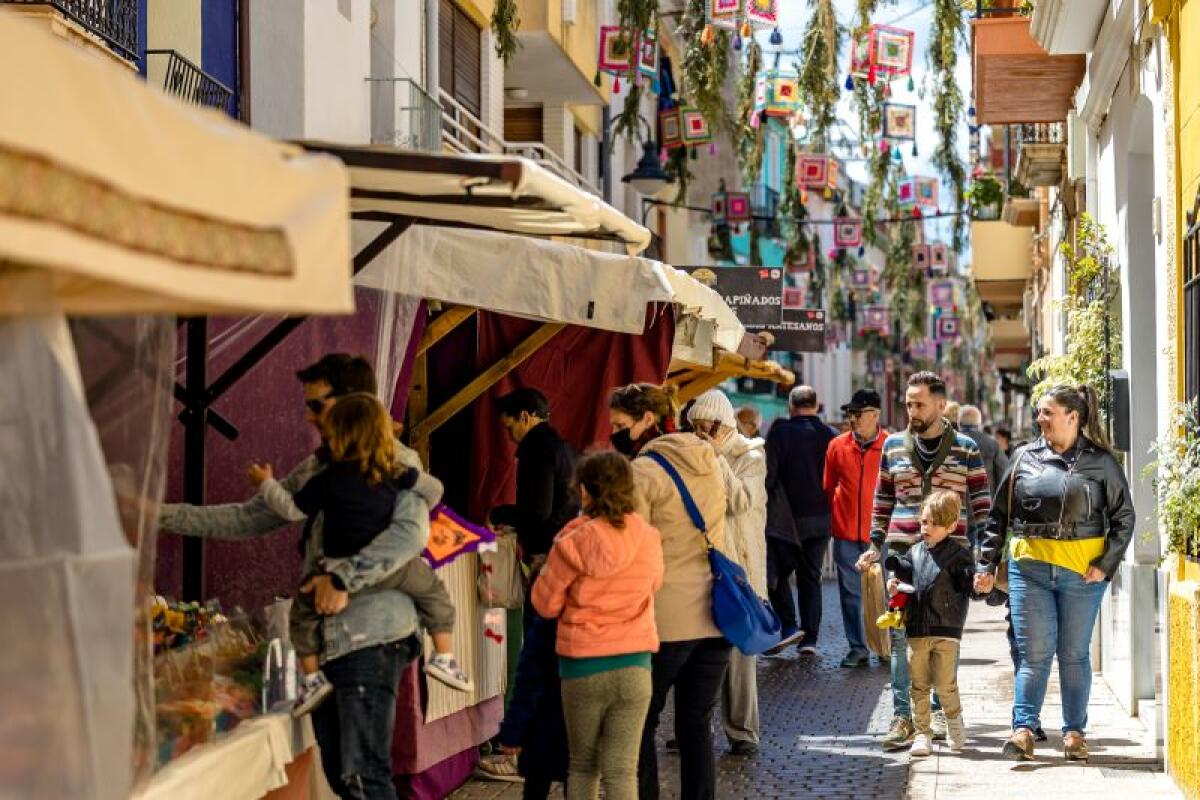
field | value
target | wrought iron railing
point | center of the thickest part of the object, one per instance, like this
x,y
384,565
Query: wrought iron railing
x,y
189,83
1042,133
1191,304
404,115
764,205
114,21
464,132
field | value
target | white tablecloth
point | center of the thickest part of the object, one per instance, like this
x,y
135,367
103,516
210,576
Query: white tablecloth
x,y
244,766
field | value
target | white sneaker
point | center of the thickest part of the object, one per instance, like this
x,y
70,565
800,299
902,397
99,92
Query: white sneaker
x,y
956,733
937,725
921,746
445,668
313,691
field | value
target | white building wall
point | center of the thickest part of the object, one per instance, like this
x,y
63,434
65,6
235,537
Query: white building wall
x,y
337,62
277,85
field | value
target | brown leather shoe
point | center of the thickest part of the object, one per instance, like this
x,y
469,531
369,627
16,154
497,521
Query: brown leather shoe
x,y
1074,746
1019,746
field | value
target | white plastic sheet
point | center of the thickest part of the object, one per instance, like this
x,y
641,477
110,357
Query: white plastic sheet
x,y
67,573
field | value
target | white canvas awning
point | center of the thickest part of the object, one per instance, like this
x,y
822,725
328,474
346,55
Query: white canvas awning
x,y
115,198
492,192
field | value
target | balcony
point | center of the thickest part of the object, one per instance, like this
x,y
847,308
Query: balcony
x,y
764,203
404,115
1061,33
1023,212
463,132
109,26
557,57
1016,80
1001,263
1041,154
181,78
1010,342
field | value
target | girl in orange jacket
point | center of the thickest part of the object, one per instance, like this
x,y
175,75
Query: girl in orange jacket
x,y
600,580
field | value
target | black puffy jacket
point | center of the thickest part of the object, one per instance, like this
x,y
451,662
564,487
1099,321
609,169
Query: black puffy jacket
x,y
942,576
1054,500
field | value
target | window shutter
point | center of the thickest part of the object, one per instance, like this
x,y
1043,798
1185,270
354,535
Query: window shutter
x,y
446,14
468,62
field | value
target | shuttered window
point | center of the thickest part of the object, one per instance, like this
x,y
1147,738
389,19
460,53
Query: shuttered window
x,y
523,124
460,58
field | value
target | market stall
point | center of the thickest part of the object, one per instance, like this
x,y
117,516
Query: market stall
x,y
116,201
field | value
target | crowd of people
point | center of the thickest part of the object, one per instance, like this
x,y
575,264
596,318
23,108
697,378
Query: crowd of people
x,y
615,544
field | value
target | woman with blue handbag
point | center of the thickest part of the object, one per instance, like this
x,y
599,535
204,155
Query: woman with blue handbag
x,y
693,654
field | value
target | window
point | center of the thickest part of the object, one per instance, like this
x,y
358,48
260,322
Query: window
x,y
460,59
1191,304
578,149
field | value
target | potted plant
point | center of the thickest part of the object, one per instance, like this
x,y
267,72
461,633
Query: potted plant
x,y
985,196
1176,477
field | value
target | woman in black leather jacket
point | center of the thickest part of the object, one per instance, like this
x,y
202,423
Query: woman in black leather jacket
x,y
1062,519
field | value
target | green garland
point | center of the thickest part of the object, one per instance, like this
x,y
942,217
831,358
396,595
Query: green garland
x,y
628,121
818,72
633,17
704,69
505,21
679,171
880,169
948,32
749,136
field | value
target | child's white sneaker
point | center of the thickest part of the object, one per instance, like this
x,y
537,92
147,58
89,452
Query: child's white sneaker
x,y
314,689
444,668
956,733
921,746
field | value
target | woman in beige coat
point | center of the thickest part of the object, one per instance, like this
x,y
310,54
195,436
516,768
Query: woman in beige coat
x,y
744,469
693,655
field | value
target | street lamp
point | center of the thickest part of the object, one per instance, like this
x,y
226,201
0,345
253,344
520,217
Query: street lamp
x,y
648,178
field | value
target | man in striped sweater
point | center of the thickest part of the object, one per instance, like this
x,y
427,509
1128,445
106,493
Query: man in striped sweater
x,y
929,455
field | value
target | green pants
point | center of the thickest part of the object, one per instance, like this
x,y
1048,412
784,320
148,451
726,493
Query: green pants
x,y
605,715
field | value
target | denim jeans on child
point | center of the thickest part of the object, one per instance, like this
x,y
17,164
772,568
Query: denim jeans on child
x,y
1053,613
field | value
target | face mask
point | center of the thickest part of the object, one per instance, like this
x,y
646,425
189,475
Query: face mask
x,y
622,442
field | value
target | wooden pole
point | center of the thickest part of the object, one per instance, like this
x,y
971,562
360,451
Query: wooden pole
x,y
418,406
441,326
489,378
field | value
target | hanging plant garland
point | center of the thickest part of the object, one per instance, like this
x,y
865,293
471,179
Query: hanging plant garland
x,y
705,66
819,84
945,36
749,127
505,21
634,17
680,173
881,168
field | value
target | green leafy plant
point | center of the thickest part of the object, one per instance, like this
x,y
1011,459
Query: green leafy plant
x,y
749,134
679,171
984,196
1176,478
704,67
1093,337
947,33
505,21
817,70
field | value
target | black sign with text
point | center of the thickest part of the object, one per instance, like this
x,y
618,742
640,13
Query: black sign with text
x,y
756,296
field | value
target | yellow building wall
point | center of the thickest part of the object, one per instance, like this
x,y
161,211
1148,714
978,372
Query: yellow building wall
x,y
580,41
1181,19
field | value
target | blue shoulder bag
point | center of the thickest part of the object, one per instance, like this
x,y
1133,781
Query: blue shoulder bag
x,y
744,618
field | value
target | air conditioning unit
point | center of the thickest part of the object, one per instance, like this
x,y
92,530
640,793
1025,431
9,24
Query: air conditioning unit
x,y
569,11
1077,136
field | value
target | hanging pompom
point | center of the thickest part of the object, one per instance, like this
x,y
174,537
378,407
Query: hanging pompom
x,y
746,31
616,84
706,35
871,75
887,89
655,86
776,37
596,80
862,251
911,84
737,41
712,148
849,83
833,254
804,195
828,193
754,120
896,154
914,148
971,111
917,212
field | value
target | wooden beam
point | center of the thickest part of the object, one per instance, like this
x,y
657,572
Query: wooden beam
x,y
490,377
702,384
441,326
418,406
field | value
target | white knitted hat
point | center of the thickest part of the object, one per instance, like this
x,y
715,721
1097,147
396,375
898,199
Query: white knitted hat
x,y
713,405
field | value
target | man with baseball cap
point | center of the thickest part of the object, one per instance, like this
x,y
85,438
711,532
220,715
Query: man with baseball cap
x,y
851,472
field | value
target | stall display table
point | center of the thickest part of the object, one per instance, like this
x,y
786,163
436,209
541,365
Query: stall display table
x,y
272,756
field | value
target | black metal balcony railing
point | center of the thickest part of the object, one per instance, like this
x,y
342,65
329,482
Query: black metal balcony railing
x,y
764,205
185,80
1042,133
114,21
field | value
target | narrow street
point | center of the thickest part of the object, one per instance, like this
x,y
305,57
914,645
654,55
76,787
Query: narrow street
x,y
822,724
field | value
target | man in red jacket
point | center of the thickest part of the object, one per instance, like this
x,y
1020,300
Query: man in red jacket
x,y
851,471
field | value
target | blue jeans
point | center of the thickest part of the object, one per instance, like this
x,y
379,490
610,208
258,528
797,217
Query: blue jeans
x,y
354,727
1053,613
845,553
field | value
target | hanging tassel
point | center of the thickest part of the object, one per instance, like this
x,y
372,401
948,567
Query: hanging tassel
x,y
655,86
746,30
914,148
706,35
596,80
712,148
887,89
776,37
866,150
862,251
849,83
737,41
971,111
896,154
803,195
828,193
871,75
692,154
754,120
616,84
911,84
917,212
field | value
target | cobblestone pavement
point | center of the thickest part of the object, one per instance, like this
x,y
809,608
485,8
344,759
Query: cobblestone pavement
x,y
821,726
